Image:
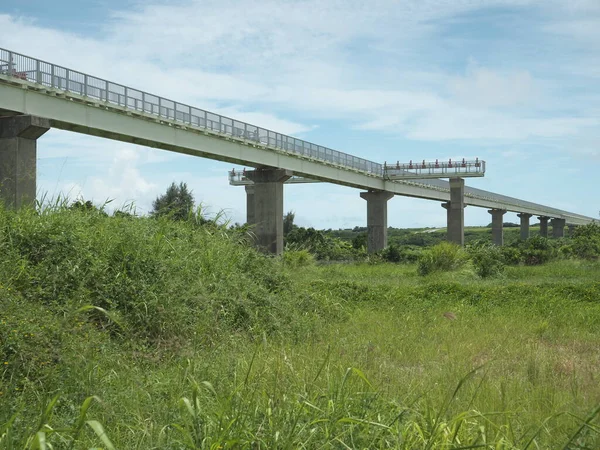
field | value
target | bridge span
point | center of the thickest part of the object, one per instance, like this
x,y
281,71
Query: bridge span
x,y
36,95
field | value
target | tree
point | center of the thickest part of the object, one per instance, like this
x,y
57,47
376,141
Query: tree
x,y
288,222
177,203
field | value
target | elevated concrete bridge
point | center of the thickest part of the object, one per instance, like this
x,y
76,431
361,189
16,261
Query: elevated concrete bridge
x,y
36,95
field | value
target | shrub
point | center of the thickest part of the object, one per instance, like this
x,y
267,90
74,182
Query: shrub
x,y
158,278
444,257
585,247
400,254
488,259
511,255
537,250
297,258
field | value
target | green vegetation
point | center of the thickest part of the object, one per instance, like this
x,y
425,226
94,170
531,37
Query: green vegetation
x,y
140,333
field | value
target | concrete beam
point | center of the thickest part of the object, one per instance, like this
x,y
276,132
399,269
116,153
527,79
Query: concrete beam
x,y
250,219
524,225
18,155
70,111
497,226
558,228
268,208
543,226
376,219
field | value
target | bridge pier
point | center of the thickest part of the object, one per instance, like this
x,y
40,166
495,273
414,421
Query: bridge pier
x,y
18,154
455,212
497,226
268,208
571,229
558,228
524,225
543,226
376,219
250,219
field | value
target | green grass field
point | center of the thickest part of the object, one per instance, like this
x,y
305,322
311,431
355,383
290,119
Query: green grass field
x,y
134,333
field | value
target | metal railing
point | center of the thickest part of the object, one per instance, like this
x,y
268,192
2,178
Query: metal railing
x,y
435,169
240,178
67,80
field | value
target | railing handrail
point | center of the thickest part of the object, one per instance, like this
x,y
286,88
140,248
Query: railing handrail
x,y
362,164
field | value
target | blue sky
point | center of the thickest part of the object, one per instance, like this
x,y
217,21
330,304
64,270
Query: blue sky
x,y
514,82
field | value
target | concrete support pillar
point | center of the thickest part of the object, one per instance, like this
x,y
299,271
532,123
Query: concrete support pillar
x,y
524,225
268,208
497,226
376,219
558,228
18,153
455,211
571,229
250,220
543,226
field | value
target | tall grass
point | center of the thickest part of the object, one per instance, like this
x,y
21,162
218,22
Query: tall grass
x,y
140,333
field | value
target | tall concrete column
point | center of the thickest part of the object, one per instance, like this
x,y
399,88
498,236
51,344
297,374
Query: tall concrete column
x,y
543,226
376,219
524,225
268,208
497,226
455,211
18,153
571,229
558,228
250,220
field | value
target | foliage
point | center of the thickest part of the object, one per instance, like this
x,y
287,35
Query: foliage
x,y
536,250
130,332
288,223
359,241
322,246
177,203
443,257
400,254
586,242
488,259
133,267
297,258
511,254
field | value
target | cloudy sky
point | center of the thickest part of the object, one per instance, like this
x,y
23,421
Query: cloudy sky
x,y
513,82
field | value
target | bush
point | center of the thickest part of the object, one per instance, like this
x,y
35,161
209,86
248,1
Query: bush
x,y
488,259
511,255
585,247
537,250
297,258
400,254
444,257
323,247
158,278
586,242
